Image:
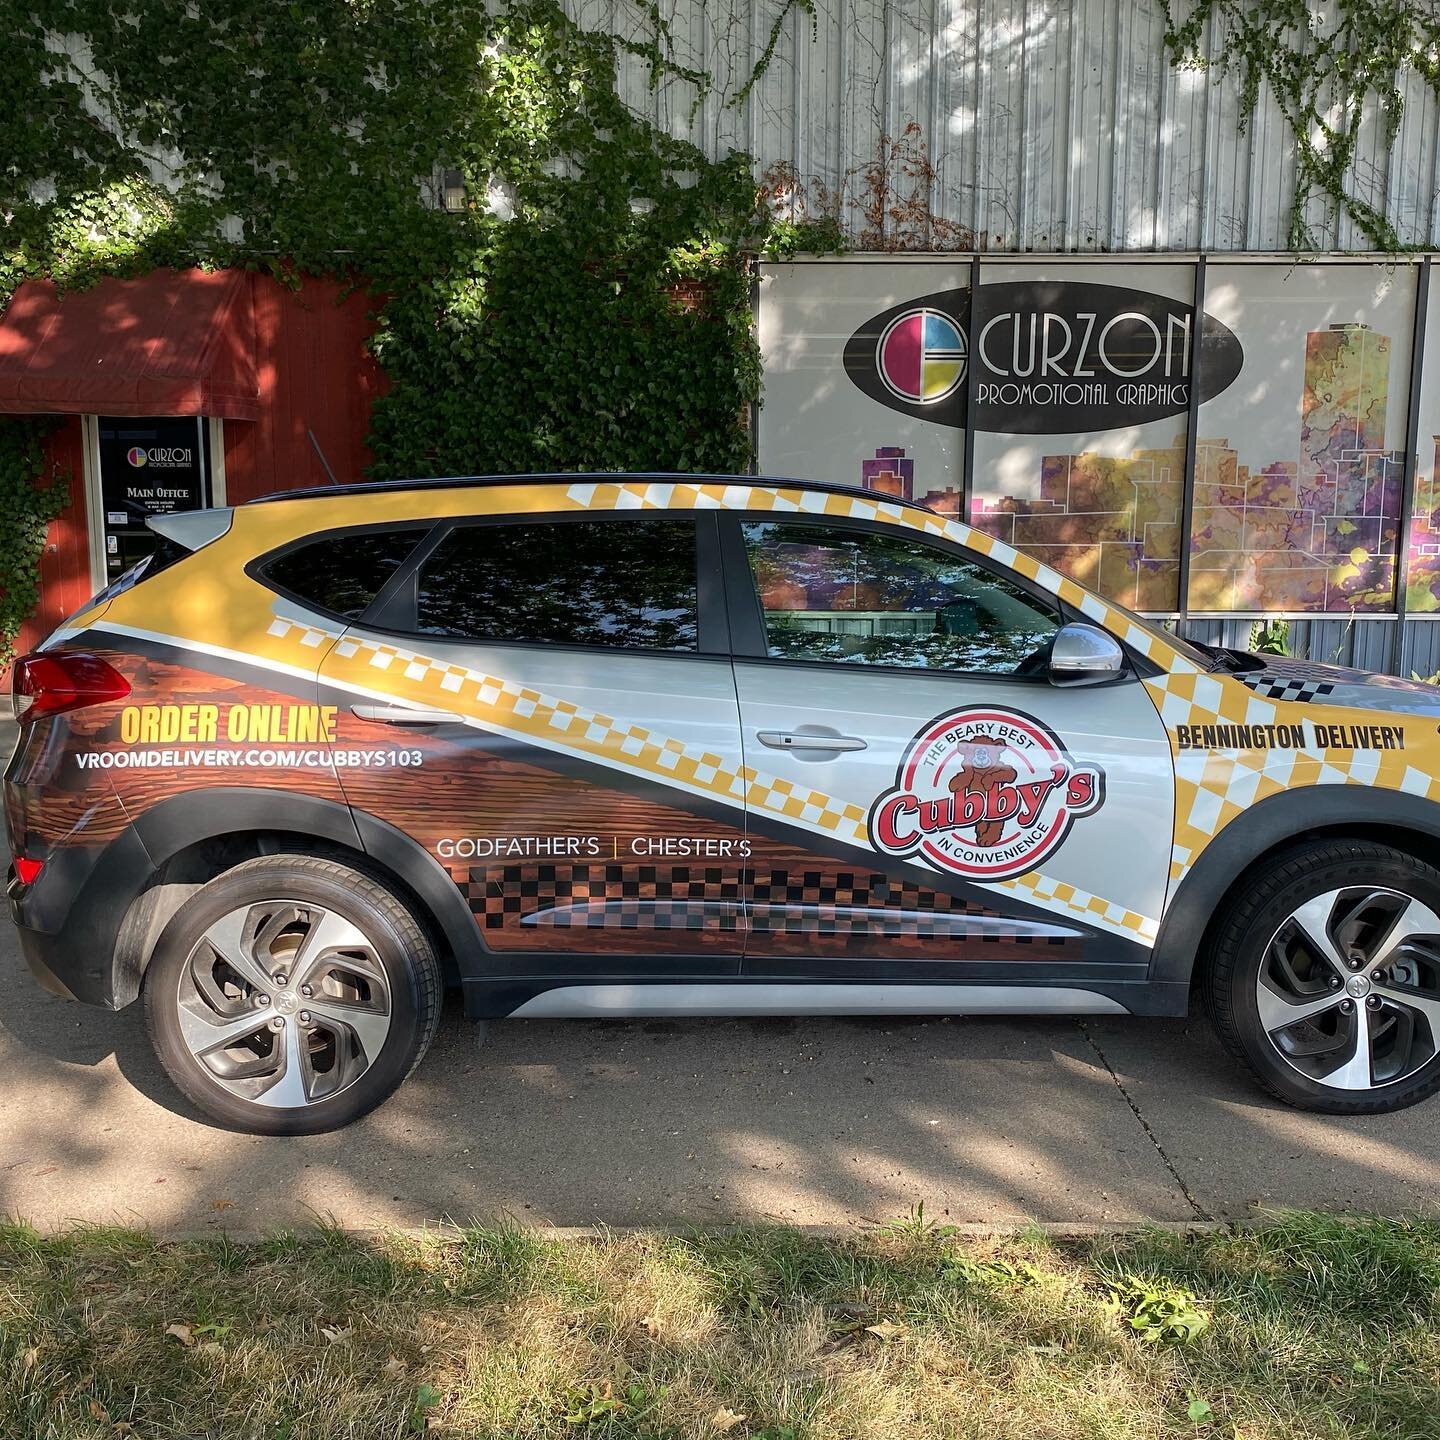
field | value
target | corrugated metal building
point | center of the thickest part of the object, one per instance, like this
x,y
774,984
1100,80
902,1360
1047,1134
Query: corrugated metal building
x,y
1052,125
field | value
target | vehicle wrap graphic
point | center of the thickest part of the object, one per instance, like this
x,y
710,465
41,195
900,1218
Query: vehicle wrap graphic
x,y
236,642
985,792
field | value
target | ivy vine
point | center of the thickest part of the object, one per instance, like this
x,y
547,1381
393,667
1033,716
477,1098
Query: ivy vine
x,y
587,307
1323,77
31,496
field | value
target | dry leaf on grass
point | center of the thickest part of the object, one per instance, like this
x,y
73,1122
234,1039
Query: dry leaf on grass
x,y
336,1333
394,1368
183,1333
886,1330
725,1419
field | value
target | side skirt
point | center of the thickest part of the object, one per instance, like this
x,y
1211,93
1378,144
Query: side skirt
x,y
617,999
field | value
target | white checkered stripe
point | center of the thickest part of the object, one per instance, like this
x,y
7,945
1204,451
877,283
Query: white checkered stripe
x,y
1095,910
300,632
506,705
1213,787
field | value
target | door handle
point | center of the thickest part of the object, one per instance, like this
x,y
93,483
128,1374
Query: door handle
x,y
406,715
803,740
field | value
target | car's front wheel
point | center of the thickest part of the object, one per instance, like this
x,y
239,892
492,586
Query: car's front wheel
x,y
291,995
1326,977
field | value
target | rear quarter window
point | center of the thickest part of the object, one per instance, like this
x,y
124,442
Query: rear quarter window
x,y
342,573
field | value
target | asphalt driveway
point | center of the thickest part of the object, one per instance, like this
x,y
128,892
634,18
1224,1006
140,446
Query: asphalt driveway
x,y
805,1121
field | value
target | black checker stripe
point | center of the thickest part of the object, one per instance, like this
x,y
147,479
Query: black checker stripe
x,y
609,897
1287,687
702,898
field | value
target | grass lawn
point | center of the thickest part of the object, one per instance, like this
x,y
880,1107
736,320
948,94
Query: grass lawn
x,y
1311,1326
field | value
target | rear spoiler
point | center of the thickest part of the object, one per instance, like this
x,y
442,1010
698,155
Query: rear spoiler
x,y
190,529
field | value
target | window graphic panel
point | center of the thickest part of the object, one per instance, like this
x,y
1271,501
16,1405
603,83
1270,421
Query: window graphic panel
x,y
1422,589
1299,463
1082,387
864,365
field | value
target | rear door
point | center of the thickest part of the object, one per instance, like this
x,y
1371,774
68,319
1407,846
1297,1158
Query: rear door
x,y
551,711
928,803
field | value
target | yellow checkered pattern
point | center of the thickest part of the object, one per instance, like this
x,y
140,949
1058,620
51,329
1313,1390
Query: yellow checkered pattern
x,y
1053,894
1212,787
517,709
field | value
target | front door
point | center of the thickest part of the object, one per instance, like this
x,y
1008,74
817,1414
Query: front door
x,y
938,808
567,713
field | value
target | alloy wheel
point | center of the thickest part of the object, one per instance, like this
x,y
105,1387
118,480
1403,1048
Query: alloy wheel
x,y
284,1004
1349,988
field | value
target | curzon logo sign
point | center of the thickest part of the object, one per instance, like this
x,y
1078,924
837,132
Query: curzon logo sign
x,y
985,793
920,356
1050,357
161,457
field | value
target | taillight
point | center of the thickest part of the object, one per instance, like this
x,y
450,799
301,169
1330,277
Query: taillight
x,y
28,870
52,684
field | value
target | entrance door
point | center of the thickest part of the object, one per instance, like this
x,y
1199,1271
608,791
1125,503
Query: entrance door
x,y
154,465
938,804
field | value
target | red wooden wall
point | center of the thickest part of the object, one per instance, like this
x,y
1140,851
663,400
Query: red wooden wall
x,y
314,371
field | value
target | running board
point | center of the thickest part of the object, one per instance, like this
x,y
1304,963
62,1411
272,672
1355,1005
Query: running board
x,y
573,1002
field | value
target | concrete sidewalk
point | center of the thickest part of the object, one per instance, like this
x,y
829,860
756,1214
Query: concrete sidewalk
x,y
647,1122
805,1121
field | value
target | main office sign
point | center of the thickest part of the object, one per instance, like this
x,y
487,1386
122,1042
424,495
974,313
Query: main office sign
x,y
1049,357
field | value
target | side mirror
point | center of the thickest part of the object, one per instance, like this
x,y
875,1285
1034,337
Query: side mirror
x,y
1084,655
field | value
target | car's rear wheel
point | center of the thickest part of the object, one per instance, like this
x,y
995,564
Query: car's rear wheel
x,y
291,995
1325,980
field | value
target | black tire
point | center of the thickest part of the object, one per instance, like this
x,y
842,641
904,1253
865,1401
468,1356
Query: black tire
x,y
397,941
1263,903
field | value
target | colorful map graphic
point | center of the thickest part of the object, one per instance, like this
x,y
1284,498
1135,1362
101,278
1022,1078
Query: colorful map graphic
x,y
1312,533
1422,584
1316,533
1111,522
889,473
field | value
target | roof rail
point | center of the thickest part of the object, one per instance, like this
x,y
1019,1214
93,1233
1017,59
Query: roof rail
x,y
449,482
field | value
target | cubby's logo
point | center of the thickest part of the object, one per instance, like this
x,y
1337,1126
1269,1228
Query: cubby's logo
x,y
137,456
985,793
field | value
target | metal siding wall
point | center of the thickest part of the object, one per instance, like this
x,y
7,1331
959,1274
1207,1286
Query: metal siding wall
x,y
1421,652
1052,124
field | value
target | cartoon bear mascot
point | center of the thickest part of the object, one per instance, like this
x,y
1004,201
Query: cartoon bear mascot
x,y
982,768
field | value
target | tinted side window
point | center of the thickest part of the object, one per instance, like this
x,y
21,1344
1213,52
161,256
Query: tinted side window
x,y
343,573
623,582
860,597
